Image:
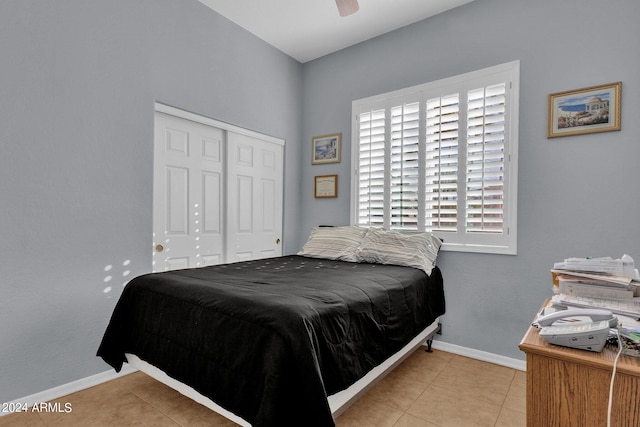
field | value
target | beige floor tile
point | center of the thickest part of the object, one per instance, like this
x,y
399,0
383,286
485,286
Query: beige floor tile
x,y
475,379
134,381
511,418
446,408
520,377
104,405
397,391
473,366
422,366
368,413
21,419
517,396
178,407
408,420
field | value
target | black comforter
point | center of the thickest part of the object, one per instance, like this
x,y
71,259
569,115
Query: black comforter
x,y
270,339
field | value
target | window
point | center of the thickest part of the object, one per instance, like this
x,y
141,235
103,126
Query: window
x,y
441,157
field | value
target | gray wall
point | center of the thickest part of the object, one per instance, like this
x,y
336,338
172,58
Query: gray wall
x,y
78,81
578,195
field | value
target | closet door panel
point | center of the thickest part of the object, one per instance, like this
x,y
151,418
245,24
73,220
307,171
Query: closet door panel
x,y
255,182
188,198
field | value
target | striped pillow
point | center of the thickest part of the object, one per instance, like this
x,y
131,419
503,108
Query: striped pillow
x,y
418,250
340,243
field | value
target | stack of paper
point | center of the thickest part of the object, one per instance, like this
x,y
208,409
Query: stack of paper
x,y
597,283
596,265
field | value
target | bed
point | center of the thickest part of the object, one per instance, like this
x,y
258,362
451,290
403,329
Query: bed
x,y
281,341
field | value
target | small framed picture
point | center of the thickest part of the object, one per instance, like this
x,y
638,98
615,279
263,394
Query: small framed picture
x,y
326,149
326,186
588,110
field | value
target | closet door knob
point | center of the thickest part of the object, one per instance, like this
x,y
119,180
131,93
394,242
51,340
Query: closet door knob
x,y
159,248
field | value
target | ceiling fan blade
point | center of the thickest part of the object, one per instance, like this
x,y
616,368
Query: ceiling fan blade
x,y
347,7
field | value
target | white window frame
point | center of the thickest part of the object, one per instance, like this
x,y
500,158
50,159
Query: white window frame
x,y
504,242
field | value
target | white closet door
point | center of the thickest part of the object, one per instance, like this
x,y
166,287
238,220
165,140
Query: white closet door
x,y
254,189
188,221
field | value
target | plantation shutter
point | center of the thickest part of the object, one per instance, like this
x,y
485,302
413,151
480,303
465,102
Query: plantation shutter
x,y
485,159
441,164
371,167
404,167
442,157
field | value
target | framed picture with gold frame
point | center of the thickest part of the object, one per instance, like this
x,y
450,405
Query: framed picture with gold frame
x,y
326,149
589,110
325,186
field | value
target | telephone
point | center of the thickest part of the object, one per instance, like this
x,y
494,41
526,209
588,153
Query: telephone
x,y
572,330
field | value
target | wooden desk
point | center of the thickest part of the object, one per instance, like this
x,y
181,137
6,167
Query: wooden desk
x,y
570,388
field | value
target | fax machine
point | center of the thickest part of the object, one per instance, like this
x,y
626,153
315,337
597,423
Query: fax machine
x,y
585,329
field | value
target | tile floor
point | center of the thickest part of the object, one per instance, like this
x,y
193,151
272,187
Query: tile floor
x,y
436,389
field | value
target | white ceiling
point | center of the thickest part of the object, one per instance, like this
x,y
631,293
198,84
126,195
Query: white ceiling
x,y
309,29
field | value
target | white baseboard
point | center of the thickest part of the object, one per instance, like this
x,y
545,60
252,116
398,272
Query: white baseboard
x,y
509,362
93,380
72,387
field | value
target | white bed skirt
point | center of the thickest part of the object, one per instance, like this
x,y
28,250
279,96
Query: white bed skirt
x,y
338,402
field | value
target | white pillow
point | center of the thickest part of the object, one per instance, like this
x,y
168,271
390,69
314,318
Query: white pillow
x,y
340,243
414,249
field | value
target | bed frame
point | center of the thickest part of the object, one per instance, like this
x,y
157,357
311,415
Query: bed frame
x,y
338,402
